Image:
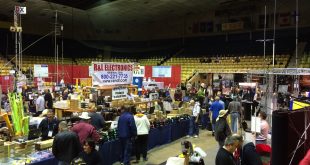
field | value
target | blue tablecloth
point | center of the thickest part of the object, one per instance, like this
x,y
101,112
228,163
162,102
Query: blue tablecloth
x,y
111,150
153,140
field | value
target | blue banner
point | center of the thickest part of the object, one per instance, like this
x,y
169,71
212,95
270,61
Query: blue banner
x,y
138,81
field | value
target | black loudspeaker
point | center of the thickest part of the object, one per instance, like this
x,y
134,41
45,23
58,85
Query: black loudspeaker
x,y
287,128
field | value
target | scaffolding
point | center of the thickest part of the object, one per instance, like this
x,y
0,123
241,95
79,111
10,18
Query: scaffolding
x,y
268,103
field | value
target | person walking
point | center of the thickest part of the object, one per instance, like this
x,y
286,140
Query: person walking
x,y
234,108
66,145
222,129
215,108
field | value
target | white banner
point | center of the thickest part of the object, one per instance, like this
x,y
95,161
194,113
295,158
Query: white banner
x,y
119,93
108,73
161,71
20,10
40,70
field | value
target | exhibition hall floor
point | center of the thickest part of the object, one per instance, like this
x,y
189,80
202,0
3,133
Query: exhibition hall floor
x,y
160,154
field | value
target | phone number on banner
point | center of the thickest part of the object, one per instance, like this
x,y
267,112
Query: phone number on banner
x,y
114,77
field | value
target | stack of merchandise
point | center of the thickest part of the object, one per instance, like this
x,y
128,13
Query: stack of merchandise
x,y
61,104
108,135
4,151
74,104
158,115
137,99
188,111
112,134
42,145
114,103
84,105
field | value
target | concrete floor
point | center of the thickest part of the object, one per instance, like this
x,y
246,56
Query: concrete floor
x,y
160,154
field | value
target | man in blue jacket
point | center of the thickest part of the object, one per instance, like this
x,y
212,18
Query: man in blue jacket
x,y
215,108
127,132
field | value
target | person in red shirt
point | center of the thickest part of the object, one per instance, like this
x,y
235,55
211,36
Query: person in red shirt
x,y
84,130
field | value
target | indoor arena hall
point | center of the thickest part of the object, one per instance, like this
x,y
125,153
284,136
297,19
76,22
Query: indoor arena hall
x,y
154,82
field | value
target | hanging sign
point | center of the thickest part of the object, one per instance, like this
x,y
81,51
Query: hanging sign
x,y
119,93
105,73
40,70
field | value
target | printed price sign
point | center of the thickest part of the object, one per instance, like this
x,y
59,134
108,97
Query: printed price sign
x,y
119,93
112,73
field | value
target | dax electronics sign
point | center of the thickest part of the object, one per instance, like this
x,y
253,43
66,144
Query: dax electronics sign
x,y
106,73
119,93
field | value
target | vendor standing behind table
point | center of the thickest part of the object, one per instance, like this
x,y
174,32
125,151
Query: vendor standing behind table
x,y
85,130
49,126
40,104
100,100
48,99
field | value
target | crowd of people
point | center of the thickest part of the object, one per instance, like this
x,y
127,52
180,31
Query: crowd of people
x,y
209,110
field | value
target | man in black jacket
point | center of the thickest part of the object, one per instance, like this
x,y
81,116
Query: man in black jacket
x,y
225,154
48,99
66,145
49,126
248,154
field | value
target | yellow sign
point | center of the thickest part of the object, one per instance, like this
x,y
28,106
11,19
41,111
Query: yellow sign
x,y
299,105
232,26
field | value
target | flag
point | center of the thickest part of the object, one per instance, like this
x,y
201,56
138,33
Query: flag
x,y
295,105
20,10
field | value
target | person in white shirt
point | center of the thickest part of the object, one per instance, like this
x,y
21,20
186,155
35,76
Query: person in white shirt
x,y
40,104
130,96
193,126
143,128
264,124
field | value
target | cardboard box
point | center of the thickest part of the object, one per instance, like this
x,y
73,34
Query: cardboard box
x,y
174,111
188,111
44,144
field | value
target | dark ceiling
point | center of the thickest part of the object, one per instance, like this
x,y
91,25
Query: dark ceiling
x,y
81,4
